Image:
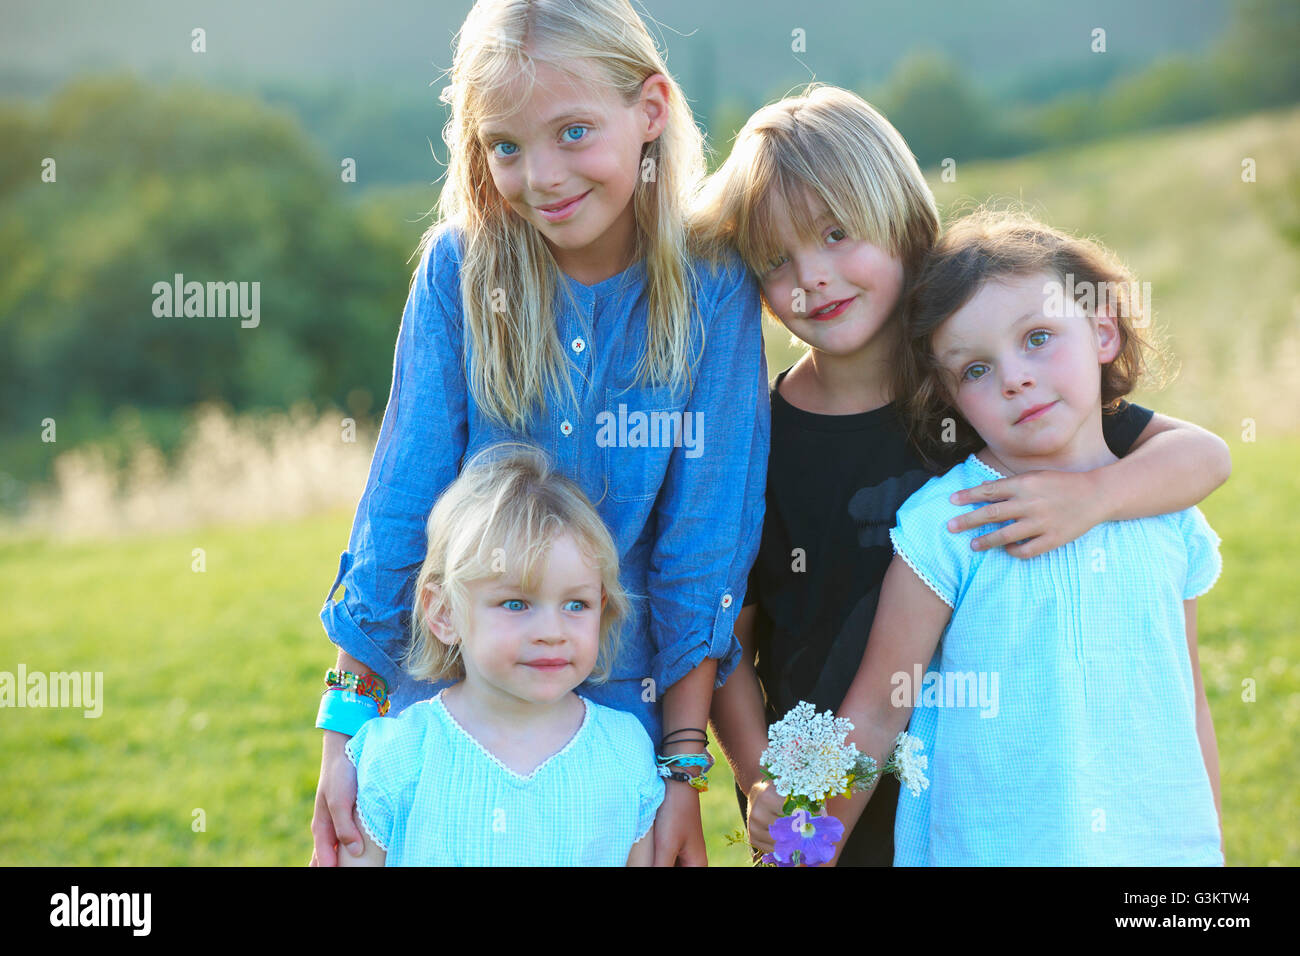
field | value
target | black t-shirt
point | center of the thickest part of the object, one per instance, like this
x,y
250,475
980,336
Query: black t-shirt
x,y
834,486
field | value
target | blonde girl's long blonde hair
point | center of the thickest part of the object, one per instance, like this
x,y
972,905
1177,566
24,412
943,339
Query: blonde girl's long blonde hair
x,y
824,143
516,352
501,516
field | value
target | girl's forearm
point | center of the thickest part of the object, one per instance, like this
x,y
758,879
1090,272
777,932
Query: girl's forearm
x,y
874,734
1209,751
740,724
686,704
346,662
1172,470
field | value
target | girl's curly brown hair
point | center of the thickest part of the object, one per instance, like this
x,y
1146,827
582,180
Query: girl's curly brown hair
x,y
991,244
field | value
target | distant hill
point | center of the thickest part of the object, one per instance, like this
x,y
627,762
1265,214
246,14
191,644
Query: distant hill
x,y
366,85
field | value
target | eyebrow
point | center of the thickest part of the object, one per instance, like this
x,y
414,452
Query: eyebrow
x,y
582,113
959,351
518,588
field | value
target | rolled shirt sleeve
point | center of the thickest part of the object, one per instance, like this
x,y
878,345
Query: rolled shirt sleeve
x,y
709,512
421,444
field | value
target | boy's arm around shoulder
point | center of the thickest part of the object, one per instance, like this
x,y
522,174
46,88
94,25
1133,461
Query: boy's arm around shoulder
x,y
1171,465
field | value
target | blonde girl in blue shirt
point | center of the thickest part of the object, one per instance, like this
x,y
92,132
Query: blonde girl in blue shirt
x,y
519,602
1065,709
558,301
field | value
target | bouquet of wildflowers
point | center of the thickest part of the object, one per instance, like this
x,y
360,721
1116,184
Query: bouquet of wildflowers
x,y
809,760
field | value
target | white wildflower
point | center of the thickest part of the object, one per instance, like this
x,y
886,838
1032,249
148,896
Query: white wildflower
x,y
807,754
908,763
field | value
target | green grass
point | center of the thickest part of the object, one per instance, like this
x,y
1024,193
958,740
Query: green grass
x,y
211,682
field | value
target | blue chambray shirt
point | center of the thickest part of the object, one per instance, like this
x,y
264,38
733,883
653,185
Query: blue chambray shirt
x,y
686,515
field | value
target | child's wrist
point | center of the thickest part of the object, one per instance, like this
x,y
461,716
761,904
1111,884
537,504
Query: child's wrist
x,y
1095,501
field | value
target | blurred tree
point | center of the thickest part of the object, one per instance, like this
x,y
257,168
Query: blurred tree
x,y
936,110
154,182
1258,57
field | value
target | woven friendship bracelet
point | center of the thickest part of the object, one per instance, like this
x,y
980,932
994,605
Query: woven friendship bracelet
x,y
371,685
700,781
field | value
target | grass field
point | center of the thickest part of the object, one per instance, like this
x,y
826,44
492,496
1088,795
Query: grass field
x,y
211,682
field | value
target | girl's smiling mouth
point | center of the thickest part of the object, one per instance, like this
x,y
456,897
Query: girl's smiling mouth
x,y
831,310
562,209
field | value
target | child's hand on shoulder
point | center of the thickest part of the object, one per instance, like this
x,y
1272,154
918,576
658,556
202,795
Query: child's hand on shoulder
x,y
1046,509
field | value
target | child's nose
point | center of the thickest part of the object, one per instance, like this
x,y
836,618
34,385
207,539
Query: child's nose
x,y
545,171
1016,378
811,272
550,625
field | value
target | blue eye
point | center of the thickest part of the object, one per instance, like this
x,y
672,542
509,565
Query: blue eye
x,y
580,130
972,373
503,149
513,604
581,605
1038,338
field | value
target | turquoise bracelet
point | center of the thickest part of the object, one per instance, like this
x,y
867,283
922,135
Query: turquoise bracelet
x,y
345,711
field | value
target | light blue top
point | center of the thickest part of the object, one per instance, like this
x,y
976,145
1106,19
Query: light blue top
x,y
1061,720
685,507
430,795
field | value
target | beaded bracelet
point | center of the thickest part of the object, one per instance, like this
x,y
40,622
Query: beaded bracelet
x,y
371,685
699,782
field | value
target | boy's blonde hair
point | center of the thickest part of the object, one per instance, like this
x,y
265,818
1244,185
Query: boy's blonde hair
x,y
501,515
990,244
516,352
834,145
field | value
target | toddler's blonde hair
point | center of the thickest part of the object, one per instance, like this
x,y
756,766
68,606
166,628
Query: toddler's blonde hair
x,y
501,515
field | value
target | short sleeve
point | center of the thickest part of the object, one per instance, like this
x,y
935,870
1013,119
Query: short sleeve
x,y
1122,428
939,557
377,768
1204,563
650,787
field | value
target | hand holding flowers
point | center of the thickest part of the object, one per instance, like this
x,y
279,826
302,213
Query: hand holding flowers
x,y
809,760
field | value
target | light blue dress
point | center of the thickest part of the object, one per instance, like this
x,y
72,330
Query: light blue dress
x,y
1059,713
430,795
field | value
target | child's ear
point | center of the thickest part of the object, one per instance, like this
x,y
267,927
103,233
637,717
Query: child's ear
x,y
654,105
1108,337
439,622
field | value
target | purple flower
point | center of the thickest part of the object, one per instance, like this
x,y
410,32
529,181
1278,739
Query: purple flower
x,y
803,838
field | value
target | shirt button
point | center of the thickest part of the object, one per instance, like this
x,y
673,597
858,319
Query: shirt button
x,y
726,600
577,345
566,429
